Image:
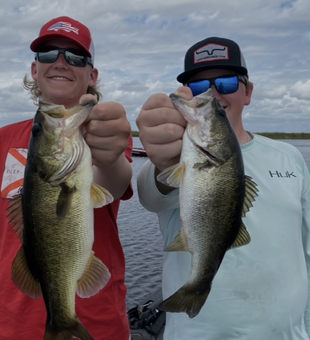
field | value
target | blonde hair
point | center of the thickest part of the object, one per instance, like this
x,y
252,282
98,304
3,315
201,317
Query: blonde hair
x,y
32,86
249,85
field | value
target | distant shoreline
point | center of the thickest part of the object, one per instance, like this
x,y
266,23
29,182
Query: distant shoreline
x,y
272,135
285,135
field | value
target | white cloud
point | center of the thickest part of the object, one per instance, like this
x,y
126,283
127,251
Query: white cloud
x,y
140,47
301,89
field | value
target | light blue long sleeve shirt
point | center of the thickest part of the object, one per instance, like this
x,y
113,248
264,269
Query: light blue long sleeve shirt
x,y
261,289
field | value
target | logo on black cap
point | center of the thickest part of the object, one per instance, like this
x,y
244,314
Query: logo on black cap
x,y
211,52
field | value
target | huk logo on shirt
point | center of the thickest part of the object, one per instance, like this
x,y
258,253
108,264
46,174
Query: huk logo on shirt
x,y
211,52
279,174
13,176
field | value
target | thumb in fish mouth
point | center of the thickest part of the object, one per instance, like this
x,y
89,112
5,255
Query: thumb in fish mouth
x,y
84,99
184,92
87,97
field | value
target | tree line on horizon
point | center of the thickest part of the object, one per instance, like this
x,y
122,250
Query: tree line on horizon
x,y
272,135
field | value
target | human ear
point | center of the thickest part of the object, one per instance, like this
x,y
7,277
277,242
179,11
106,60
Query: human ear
x,y
248,93
93,77
34,70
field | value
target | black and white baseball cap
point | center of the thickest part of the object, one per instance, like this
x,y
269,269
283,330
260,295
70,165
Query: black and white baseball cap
x,y
213,53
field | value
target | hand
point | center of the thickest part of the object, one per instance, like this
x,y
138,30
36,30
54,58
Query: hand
x,y
107,132
161,129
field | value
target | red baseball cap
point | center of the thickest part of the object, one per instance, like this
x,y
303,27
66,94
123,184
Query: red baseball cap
x,y
65,27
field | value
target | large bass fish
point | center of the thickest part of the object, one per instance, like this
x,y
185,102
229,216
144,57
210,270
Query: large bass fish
x,y
54,220
214,196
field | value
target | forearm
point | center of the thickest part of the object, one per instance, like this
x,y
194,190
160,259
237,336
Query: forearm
x,y
115,177
149,195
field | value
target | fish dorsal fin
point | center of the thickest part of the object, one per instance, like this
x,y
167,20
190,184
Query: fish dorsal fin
x,y
242,238
95,277
15,216
22,277
179,243
100,196
172,176
64,199
250,194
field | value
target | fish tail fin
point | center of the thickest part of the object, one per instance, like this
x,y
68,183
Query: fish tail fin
x,y
77,330
187,300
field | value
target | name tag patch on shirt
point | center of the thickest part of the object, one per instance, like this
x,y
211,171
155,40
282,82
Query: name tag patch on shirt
x,y
13,177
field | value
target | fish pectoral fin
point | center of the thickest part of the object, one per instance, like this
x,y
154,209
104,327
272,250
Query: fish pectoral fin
x,y
172,176
242,238
16,216
95,277
22,277
201,166
179,243
100,196
64,199
250,194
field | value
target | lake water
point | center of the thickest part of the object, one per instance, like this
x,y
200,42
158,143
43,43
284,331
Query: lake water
x,y
142,240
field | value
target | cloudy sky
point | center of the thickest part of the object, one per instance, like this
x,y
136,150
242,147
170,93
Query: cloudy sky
x,y
140,47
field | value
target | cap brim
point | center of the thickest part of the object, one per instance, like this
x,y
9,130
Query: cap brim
x,y
37,42
183,77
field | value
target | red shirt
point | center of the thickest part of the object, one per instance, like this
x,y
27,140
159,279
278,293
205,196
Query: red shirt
x,y
103,315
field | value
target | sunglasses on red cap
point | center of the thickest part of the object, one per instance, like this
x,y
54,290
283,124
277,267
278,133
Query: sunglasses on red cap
x,y
73,57
223,84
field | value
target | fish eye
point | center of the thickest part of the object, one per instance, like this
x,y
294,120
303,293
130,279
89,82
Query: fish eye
x,y
222,112
36,129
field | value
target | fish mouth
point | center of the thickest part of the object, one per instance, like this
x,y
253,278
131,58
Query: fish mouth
x,y
206,152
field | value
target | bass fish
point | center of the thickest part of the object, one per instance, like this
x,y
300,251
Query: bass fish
x,y
214,195
54,220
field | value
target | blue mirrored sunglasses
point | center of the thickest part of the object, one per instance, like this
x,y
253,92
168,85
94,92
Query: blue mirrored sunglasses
x,y
73,57
224,84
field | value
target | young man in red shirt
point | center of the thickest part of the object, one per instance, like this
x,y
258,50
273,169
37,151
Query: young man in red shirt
x,y
56,79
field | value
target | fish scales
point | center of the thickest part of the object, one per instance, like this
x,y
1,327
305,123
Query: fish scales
x,y
212,187
56,257
207,193
68,246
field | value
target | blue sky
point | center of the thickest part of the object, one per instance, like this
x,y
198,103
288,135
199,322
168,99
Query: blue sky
x,y
140,47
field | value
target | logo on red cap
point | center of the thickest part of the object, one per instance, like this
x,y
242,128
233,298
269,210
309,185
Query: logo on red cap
x,y
65,26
